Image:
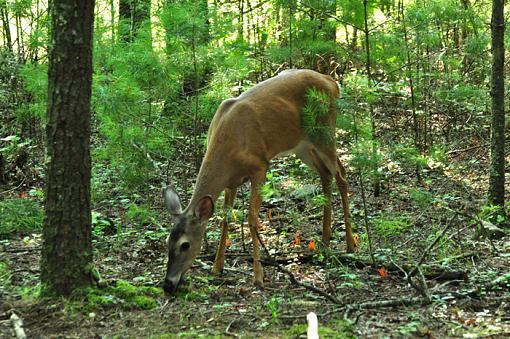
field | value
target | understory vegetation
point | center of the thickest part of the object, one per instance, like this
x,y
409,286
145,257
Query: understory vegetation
x,y
413,131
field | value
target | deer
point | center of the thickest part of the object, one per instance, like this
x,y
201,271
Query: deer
x,y
245,134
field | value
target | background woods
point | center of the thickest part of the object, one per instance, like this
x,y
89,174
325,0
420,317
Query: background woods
x,y
422,83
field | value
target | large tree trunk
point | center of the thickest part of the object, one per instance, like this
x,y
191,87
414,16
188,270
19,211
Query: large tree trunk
x,y
497,163
67,245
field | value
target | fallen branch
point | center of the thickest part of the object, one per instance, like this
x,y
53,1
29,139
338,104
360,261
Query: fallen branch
x,y
430,272
21,249
404,301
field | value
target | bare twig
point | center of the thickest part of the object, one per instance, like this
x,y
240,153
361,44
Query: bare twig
x,y
227,330
466,149
15,188
479,221
422,286
427,251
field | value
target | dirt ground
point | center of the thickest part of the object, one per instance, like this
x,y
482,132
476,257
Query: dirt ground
x,y
464,292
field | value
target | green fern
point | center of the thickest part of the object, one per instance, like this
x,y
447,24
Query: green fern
x,y
313,116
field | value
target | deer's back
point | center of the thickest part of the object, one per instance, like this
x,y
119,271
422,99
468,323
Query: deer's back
x,y
266,119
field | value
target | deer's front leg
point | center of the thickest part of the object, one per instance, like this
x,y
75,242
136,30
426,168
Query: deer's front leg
x,y
227,210
253,220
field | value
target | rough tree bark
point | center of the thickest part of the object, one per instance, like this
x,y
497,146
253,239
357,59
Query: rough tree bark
x,y
497,162
67,246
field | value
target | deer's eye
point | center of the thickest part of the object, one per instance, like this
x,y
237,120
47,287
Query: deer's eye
x,y
185,246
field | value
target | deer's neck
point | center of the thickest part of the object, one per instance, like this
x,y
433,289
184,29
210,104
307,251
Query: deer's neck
x,y
212,180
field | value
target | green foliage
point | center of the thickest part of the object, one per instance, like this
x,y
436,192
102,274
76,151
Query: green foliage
x,y
31,292
366,157
314,117
421,197
101,225
409,328
198,288
391,226
141,215
438,154
493,213
409,156
341,329
268,190
13,146
35,77
126,103
273,305
5,275
20,215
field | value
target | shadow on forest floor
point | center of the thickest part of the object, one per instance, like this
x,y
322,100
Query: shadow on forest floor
x,y
471,302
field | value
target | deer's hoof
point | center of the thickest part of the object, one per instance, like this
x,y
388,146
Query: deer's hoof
x,y
217,270
259,284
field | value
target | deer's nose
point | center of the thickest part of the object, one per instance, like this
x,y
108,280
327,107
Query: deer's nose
x,y
169,287
170,284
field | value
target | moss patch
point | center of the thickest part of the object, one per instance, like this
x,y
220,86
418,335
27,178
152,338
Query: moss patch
x,y
124,294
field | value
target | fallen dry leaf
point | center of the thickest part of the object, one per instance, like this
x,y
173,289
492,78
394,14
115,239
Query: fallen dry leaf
x,y
311,245
382,272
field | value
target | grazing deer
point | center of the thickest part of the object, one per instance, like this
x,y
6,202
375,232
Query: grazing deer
x,y
244,135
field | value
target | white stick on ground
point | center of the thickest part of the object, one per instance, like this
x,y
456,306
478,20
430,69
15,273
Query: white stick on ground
x,y
17,323
313,326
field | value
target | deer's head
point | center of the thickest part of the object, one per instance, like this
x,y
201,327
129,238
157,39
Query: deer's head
x,y
185,237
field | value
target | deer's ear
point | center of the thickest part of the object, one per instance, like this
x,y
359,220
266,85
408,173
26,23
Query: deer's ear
x,y
172,201
204,208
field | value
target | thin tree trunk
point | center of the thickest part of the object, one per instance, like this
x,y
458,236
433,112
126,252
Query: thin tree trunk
x,y
497,162
291,18
112,18
240,25
416,125
6,27
377,184
132,15
67,244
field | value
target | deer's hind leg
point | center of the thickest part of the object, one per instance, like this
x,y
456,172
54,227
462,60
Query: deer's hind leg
x,y
341,181
219,261
317,161
257,180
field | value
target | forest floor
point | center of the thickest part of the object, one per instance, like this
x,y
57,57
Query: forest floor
x,y
463,291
